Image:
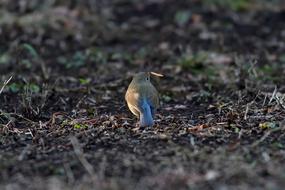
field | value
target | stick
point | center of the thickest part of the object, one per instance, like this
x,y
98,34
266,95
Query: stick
x,y
256,143
5,84
80,155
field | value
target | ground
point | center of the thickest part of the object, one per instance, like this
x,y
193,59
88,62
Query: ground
x,y
64,123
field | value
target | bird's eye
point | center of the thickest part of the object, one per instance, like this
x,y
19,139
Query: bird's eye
x,y
147,78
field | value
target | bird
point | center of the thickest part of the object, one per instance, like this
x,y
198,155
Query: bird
x,y
142,98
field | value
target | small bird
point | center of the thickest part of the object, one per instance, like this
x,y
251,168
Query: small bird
x,y
142,98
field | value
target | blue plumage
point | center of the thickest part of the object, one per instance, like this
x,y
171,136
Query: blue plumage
x,y
142,98
146,116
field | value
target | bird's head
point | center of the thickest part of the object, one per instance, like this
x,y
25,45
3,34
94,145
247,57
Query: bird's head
x,y
145,76
142,77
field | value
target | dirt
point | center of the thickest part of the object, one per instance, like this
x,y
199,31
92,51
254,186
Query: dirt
x,y
64,123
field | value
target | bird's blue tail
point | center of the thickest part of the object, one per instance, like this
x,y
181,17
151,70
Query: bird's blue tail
x,y
146,115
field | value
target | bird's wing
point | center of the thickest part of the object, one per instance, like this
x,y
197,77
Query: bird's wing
x,y
132,97
153,97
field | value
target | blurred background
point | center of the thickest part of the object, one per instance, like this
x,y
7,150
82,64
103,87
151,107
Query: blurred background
x,y
70,44
70,35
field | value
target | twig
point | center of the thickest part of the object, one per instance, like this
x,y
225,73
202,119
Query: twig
x,y
278,99
240,134
264,101
246,111
5,84
20,116
273,95
247,106
253,62
280,102
256,143
80,155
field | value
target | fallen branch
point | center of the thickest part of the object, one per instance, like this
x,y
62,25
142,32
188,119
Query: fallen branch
x,y
80,155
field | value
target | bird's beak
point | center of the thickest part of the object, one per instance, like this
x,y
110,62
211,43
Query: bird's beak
x,y
156,74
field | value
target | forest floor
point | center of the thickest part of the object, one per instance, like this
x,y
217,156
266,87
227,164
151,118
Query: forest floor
x,y
64,123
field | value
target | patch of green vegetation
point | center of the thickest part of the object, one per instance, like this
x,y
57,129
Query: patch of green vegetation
x,y
5,58
80,126
96,55
4,118
196,64
14,87
267,69
204,94
235,5
32,56
267,125
236,129
17,87
166,98
33,88
26,63
76,61
58,171
278,145
269,72
121,56
182,17
194,61
32,51
84,81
